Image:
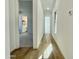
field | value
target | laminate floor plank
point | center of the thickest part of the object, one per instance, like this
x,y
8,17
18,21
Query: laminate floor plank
x,y
30,53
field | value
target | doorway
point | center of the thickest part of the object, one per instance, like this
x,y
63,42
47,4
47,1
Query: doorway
x,y
25,23
47,25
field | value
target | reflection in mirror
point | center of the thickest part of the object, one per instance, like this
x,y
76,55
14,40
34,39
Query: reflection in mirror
x,y
23,22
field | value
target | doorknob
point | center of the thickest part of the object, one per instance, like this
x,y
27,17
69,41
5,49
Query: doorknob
x,y
70,12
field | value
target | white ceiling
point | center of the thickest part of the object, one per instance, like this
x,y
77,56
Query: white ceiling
x,y
48,4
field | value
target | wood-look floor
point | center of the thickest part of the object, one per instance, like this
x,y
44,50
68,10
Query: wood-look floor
x,y
30,53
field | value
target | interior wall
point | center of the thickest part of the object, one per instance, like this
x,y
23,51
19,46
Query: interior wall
x,y
40,18
64,34
34,24
13,24
7,33
37,23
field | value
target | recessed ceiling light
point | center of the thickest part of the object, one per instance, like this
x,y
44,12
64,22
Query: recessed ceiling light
x,y
47,8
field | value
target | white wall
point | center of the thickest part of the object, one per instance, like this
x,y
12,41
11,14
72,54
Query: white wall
x,y
37,23
40,18
34,24
13,22
7,33
64,35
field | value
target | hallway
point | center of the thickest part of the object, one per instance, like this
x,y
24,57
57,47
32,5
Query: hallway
x,y
46,18
30,53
